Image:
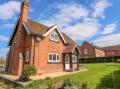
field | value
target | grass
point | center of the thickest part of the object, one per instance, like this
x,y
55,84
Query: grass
x,y
98,76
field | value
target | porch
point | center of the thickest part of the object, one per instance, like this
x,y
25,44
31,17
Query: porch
x,y
71,58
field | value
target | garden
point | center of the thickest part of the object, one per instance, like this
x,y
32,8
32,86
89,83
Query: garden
x,y
98,76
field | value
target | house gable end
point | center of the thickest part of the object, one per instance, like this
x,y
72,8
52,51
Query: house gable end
x,y
57,29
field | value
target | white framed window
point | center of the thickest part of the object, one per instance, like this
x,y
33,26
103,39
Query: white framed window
x,y
85,51
53,37
74,58
53,57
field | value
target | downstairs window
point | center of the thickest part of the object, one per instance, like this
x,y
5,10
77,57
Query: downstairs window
x,y
53,57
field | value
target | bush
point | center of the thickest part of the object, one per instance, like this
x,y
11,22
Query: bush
x,y
69,84
2,85
28,71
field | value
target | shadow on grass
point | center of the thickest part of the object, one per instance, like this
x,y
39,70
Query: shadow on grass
x,y
111,81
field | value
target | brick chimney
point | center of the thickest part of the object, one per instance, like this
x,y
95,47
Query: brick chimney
x,y
24,11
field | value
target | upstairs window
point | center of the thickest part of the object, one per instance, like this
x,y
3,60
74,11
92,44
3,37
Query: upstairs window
x,y
53,57
85,51
54,37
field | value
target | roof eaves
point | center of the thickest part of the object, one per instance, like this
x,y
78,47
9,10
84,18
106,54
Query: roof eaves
x,y
26,28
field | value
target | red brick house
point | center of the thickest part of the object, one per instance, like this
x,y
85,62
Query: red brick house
x,y
91,51
112,51
46,48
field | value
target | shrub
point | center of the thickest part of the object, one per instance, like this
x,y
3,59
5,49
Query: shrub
x,y
2,85
69,84
28,71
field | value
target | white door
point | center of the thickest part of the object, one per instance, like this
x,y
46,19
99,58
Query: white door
x,y
67,62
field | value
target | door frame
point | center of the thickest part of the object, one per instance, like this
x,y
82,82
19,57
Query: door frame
x,y
67,64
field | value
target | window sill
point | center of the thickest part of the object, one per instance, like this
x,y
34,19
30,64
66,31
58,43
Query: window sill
x,y
53,62
74,62
55,41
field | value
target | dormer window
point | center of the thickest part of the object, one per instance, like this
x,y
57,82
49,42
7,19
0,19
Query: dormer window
x,y
54,37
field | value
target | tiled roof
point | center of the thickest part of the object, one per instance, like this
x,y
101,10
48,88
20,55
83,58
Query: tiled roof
x,y
115,47
36,28
69,48
68,39
40,29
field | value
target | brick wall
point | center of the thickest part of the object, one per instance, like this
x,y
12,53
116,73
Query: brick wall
x,y
90,51
42,49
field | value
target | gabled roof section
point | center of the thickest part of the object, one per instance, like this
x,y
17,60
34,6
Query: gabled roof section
x,y
85,42
38,29
68,39
35,27
110,48
55,27
71,48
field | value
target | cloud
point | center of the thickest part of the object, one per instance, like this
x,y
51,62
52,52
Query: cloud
x,y
8,10
82,31
73,20
7,25
108,40
4,38
66,13
99,8
109,28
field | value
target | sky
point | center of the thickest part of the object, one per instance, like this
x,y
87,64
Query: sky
x,y
95,21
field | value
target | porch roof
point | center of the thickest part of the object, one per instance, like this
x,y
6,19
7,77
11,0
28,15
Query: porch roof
x,y
71,48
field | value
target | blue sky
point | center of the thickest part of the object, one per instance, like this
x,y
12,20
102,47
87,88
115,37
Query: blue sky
x,y
96,21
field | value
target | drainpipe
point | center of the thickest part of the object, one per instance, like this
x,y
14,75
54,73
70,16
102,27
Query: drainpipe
x,y
34,53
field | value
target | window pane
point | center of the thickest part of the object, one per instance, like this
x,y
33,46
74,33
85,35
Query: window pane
x,y
54,37
50,56
54,57
57,57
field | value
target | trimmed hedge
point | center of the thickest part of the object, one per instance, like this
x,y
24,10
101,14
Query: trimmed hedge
x,y
97,60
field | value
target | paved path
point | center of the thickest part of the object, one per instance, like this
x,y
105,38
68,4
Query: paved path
x,y
37,77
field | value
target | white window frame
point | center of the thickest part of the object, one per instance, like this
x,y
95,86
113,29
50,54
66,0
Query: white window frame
x,y
56,61
85,51
54,35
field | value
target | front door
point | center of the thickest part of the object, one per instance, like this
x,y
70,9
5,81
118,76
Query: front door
x,y
67,62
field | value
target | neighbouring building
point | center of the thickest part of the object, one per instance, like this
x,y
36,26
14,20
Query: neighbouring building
x,y
112,51
91,51
46,48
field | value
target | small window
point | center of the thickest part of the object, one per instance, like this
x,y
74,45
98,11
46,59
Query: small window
x,y
54,37
54,57
74,58
85,51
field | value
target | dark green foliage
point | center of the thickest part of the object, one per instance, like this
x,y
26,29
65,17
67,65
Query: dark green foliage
x,y
28,70
97,60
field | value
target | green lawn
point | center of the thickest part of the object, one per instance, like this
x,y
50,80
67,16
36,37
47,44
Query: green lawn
x,y
98,76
